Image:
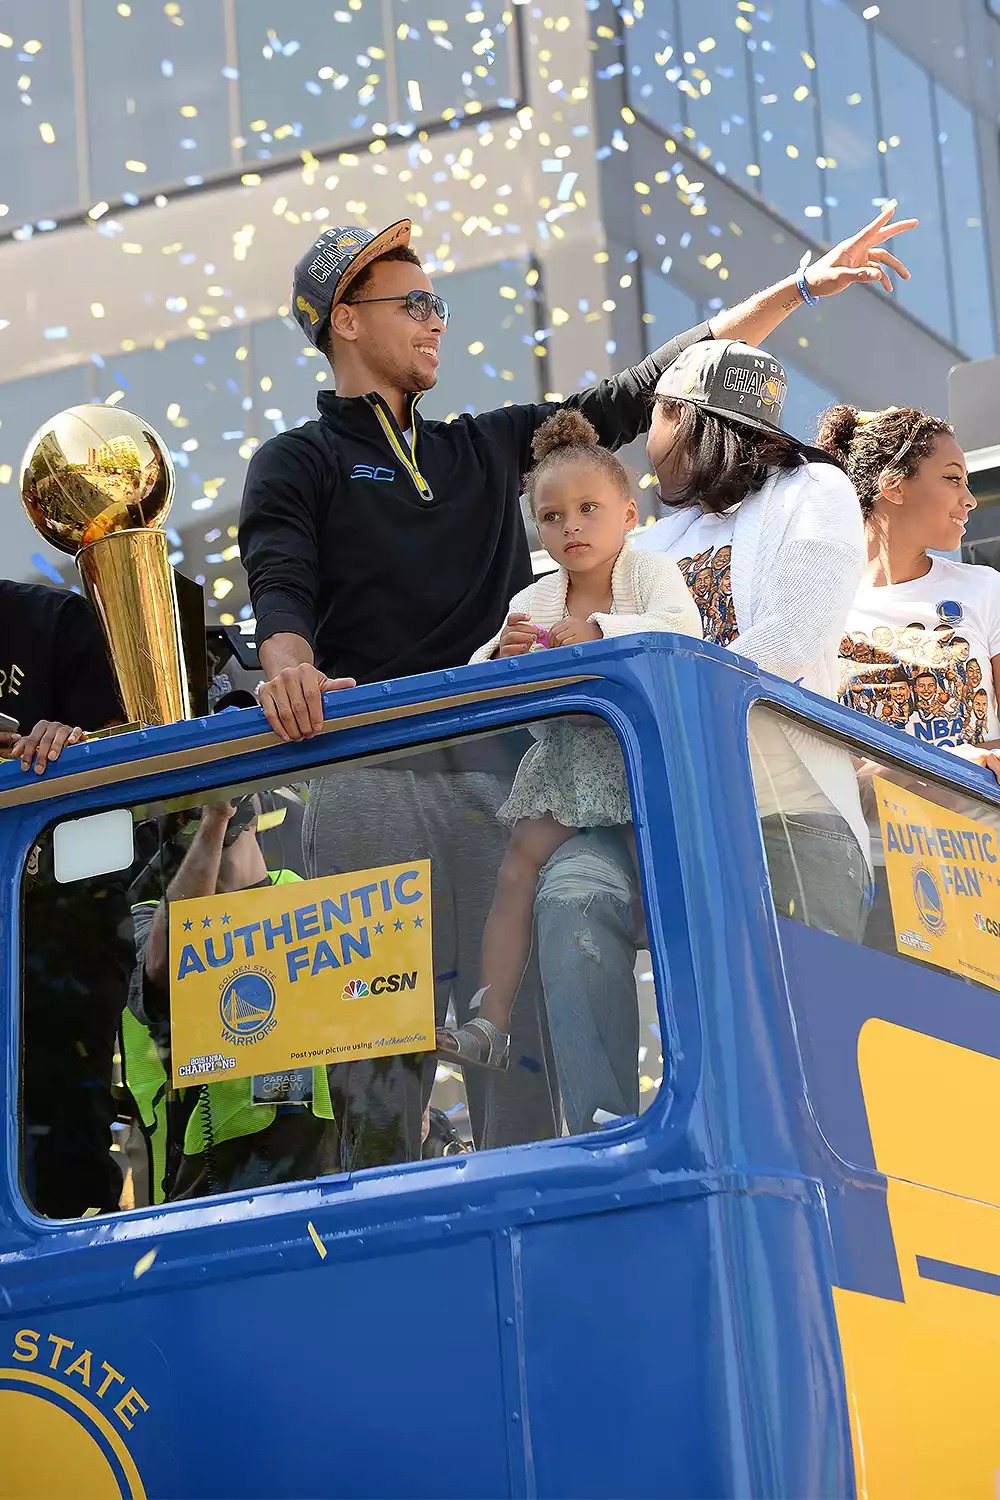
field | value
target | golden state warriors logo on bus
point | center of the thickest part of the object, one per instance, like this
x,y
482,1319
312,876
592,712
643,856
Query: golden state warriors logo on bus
x,y
247,1005
66,1422
930,907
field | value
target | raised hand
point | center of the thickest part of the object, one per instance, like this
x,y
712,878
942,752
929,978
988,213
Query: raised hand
x,y
861,258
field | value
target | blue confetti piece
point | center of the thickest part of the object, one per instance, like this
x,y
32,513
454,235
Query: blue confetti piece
x,y
230,72
46,567
58,331
166,67
531,1063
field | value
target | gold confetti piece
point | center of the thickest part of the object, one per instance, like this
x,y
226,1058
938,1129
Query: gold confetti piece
x,y
801,93
706,44
143,1264
97,211
131,248
753,170
124,10
808,59
47,134
24,82
414,96
31,48
320,1247
6,473
189,111
792,151
135,166
5,40
743,24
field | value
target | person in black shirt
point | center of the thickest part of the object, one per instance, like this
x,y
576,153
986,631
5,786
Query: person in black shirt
x,y
55,679
378,545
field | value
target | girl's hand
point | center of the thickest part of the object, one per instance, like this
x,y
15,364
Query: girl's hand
x,y
980,756
574,633
517,636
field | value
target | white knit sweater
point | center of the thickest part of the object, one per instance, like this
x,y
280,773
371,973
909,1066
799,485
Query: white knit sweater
x,y
798,556
647,593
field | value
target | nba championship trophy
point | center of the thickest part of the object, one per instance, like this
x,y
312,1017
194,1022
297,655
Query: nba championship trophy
x,y
97,482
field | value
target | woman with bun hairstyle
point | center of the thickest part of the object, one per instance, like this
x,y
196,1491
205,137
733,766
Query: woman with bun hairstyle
x,y
786,518
574,776
936,620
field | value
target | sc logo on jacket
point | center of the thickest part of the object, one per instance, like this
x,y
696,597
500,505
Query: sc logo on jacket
x,y
366,471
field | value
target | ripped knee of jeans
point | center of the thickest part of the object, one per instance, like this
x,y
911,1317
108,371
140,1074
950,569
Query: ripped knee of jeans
x,y
583,876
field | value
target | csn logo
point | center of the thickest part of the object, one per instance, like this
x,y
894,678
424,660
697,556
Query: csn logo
x,y
987,924
384,984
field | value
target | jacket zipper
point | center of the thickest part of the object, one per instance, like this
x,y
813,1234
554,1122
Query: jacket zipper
x,y
409,462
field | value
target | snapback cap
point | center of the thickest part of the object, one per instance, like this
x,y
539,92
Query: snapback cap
x,y
731,379
323,276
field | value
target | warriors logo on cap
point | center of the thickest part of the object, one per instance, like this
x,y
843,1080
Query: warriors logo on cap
x,y
326,271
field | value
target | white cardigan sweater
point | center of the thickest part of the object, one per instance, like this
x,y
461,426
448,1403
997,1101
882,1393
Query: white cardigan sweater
x,y
797,561
647,593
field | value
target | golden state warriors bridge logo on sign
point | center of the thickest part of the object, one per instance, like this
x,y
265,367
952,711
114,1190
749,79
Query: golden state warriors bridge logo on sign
x,y
930,907
247,1005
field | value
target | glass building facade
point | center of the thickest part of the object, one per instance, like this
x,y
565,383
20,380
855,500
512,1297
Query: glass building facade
x,y
584,180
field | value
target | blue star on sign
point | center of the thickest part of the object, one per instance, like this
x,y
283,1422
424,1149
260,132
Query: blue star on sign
x,y
418,921
397,925
188,925
379,929
225,920
206,921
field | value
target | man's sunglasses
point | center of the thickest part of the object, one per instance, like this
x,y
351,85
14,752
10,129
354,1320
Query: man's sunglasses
x,y
419,305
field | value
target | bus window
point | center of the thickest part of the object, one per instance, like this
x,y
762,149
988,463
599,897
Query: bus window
x,y
270,987
878,854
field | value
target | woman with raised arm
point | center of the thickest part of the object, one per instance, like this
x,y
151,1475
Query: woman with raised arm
x,y
768,534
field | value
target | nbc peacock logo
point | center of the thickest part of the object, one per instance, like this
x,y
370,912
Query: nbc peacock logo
x,y
355,989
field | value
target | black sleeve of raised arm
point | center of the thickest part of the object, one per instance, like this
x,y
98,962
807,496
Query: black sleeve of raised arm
x,y
279,537
619,408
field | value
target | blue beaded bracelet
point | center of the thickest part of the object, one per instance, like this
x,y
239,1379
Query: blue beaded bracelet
x,y
804,291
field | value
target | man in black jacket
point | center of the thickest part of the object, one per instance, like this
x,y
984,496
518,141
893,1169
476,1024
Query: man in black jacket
x,y
380,545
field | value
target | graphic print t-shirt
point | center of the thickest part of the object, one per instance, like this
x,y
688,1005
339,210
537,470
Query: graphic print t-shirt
x,y
703,553
918,655
704,563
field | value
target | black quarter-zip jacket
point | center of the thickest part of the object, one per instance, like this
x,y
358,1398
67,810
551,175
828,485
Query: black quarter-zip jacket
x,y
393,557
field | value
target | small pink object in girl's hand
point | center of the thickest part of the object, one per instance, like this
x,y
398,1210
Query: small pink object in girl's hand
x,y
541,639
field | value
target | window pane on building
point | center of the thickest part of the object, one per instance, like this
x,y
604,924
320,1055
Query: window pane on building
x,y
853,177
911,171
157,100
653,62
785,107
450,53
310,75
37,114
666,310
716,79
965,227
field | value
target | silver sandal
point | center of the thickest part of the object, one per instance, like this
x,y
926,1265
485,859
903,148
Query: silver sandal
x,y
466,1044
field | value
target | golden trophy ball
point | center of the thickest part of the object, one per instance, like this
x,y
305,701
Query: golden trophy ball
x,y
97,482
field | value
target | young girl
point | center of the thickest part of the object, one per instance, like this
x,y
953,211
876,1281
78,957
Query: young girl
x,y
574,777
